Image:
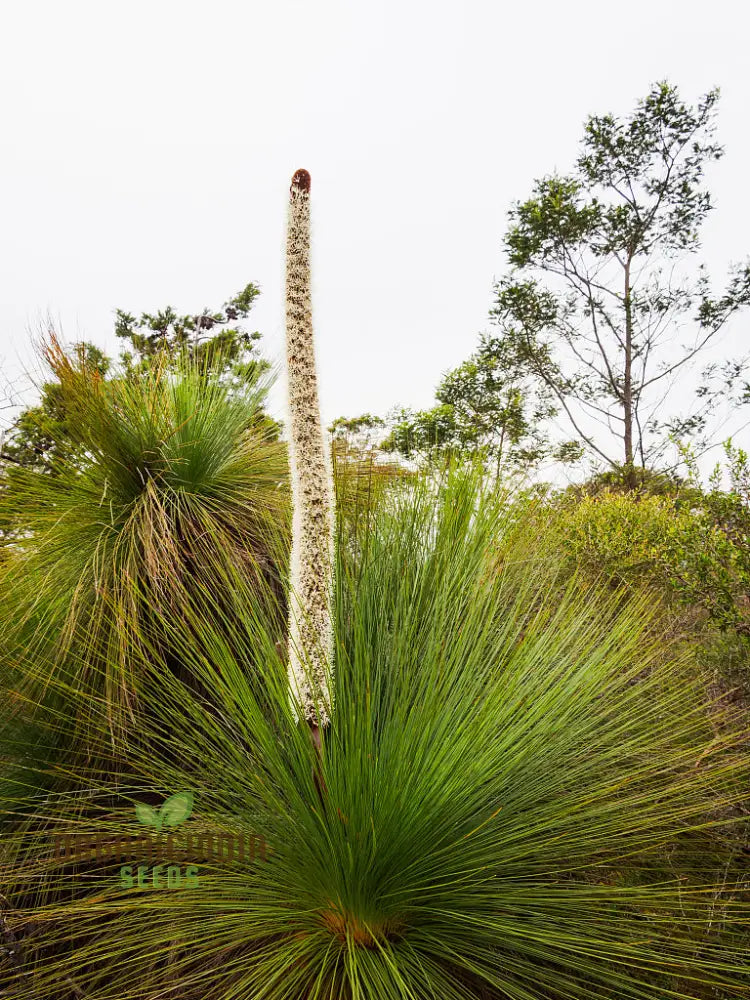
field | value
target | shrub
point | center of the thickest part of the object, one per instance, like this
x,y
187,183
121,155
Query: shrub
x,y
685,554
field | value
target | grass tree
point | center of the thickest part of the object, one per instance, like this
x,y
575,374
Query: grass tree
x,y
525,797
175,475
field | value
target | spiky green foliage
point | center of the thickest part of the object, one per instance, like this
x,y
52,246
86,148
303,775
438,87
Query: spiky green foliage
x,y
521,795
176,475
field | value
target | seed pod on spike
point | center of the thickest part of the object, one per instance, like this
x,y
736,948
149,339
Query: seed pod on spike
x,y
310,628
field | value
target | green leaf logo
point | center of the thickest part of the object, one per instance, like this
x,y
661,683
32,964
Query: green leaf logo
x,y
147,815
174,811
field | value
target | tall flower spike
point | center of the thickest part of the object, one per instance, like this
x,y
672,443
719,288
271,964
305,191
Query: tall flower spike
x,y
310,629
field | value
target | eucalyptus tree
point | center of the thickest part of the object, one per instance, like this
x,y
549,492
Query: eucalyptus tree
x,y
215,339
601,305
484,408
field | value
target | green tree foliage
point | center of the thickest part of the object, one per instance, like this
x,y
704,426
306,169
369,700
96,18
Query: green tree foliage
x,y
43,435
601,307
484,407
357,432
214,339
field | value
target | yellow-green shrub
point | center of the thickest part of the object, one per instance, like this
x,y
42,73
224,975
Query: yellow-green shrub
x,y
685,553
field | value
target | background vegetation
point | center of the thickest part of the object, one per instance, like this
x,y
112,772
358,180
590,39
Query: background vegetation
x,y
535,782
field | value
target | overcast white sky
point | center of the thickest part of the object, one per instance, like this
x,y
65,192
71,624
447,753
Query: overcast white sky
x,y
147,149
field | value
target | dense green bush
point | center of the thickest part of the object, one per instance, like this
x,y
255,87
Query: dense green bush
x,y
690,548
635,538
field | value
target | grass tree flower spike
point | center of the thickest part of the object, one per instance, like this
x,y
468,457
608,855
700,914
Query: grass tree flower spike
x,y
311,636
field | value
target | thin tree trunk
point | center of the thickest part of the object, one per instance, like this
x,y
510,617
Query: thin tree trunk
x,y
627,392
